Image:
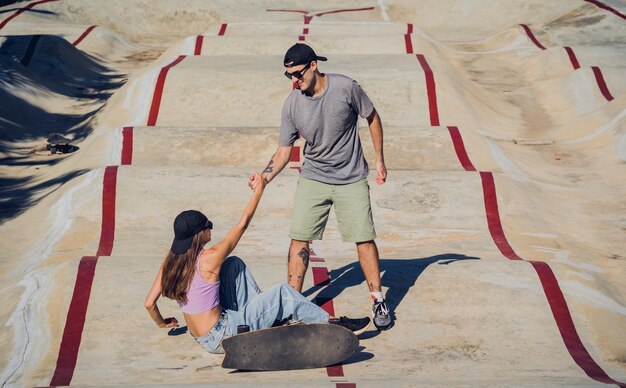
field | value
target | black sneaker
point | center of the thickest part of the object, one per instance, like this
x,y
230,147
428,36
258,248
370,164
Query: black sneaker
x,y
357,326
382,318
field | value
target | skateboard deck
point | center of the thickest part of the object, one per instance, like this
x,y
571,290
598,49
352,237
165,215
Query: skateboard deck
x,y
300,346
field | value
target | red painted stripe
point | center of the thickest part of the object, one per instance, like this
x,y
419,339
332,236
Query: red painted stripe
x,y
532,36
493,217
430,89
307,19
409,28
295,154
345,385
572,57
198,49
158,92
19,11
459,147
301,38
75,322
305,31
606,7
223,29
344,10
601,84
107,234
564,321
80,39
408,42
550,285
127,146
287,10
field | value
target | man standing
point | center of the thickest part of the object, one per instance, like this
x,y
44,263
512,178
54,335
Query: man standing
x,y
323,110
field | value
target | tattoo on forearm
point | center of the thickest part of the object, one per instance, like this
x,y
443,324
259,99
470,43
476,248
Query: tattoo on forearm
x,y
304,254
269,169
374,288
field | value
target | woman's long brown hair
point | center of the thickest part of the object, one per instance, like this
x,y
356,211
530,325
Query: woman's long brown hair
x,y
178,270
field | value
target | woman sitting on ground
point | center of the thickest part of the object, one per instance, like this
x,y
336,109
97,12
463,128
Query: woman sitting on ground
x,y
217,292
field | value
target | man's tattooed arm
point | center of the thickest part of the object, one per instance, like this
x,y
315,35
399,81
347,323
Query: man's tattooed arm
x,y
270,167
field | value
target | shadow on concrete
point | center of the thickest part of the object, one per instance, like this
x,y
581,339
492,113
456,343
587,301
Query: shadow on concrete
x,y
398,275
4,3
49,67
19,194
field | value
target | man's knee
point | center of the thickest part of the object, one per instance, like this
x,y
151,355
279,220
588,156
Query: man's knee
x,y
233,263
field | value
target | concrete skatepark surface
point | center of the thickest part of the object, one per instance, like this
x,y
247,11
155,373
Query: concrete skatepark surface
x,y
501,226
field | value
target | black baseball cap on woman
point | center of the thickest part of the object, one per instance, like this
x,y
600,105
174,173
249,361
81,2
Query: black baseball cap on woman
x,y
301,54
186,225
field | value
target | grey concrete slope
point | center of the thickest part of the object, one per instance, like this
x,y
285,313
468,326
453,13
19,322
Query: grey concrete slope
x,y
406,148
248,90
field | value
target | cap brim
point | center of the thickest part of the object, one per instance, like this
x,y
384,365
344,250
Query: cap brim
x,y
318,58
181,246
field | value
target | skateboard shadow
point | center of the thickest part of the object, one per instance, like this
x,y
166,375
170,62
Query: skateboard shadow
x,y
398,275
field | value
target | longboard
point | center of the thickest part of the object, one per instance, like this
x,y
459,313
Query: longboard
x,y
300,346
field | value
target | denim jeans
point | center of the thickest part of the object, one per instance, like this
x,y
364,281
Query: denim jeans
x,y
243,303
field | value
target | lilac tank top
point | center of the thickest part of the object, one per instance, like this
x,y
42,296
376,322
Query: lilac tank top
x,y
202,296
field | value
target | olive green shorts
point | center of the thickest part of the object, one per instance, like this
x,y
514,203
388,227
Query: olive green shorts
x,y
352,209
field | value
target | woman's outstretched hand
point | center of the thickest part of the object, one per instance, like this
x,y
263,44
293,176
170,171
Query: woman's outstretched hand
x,y
257,182
169,323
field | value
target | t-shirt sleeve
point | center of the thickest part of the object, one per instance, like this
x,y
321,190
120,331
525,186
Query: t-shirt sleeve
x,y
360,101
288,131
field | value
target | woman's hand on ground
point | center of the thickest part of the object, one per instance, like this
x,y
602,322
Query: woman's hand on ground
x,y
169,323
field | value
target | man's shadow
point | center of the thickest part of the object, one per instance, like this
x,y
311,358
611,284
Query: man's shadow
x,y
398,275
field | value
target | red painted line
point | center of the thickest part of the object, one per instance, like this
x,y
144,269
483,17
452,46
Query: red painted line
x,y
127,146
84,35
287,10
572,58
601,84
532,36
305,31
345,385
493,217
295,154
307,19
408,42
409,28
198,49
223,29
158,92
564,321
21,10
345,10
430,89
459,147
550,285
301,38
107,234
75,322
606,7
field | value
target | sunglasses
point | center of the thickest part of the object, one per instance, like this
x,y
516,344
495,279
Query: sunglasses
x,y
298,74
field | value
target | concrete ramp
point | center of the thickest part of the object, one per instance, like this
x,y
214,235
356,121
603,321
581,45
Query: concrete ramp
x,y
500,227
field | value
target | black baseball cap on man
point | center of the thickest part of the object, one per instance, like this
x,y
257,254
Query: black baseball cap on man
x,y
301,54
186,225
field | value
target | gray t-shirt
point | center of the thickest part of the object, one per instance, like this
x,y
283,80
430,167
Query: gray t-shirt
x,y
328,124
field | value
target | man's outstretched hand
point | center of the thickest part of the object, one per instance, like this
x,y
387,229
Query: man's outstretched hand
x,y
254,180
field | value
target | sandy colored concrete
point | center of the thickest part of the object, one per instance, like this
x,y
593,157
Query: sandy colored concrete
x,y
466,315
